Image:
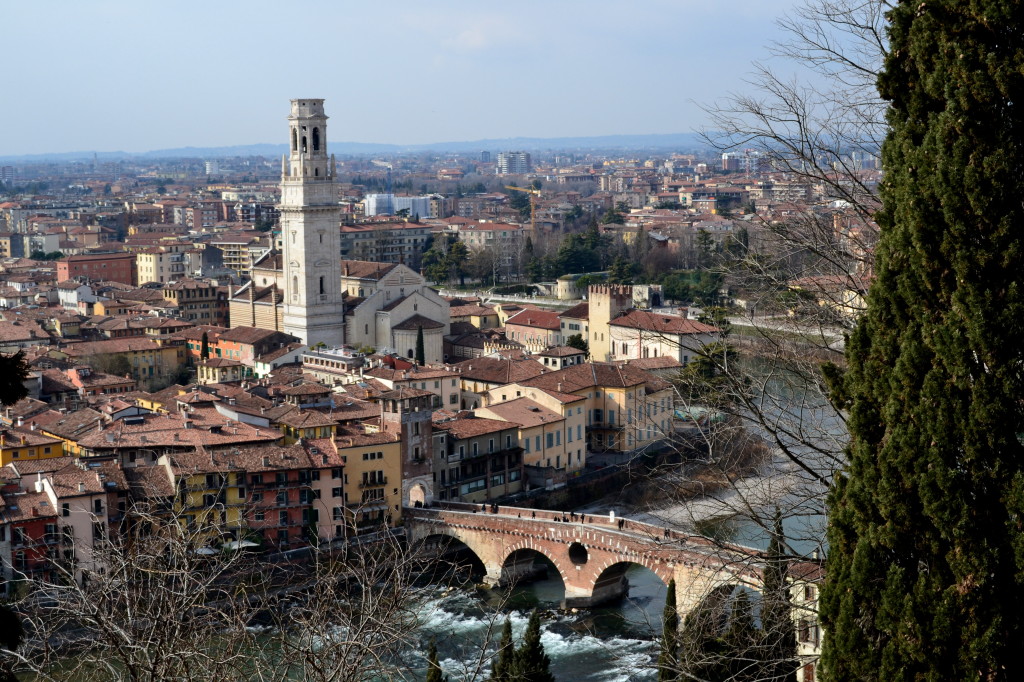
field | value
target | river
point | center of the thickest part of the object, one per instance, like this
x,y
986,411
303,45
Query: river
x,y
616,643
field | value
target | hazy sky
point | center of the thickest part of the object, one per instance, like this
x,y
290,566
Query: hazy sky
x,y
142,75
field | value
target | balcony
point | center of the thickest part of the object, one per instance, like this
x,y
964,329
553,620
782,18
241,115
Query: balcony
x,y
374,482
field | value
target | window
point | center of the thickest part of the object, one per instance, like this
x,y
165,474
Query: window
x,y
336,492
550,440
526,442
536,443
259,516
282,518
337,514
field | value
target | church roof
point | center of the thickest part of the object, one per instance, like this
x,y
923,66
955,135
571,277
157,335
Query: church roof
x,y
417,321
362,269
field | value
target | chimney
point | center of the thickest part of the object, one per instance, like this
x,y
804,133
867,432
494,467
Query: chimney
x,y
20,420
39,482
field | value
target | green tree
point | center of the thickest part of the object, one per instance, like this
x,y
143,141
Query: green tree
x,y
13,374
531,662
434,672
204,347
14,371
779,647
668,659
926,535
502,668
577,341
421,354
622,271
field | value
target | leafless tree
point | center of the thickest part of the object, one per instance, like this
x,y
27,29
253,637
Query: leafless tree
x,y
164,600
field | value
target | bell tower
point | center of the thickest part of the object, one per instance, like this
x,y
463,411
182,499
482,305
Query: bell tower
x,y
310,230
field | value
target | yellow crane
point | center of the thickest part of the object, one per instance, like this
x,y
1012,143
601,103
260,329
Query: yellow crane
x,y
534,193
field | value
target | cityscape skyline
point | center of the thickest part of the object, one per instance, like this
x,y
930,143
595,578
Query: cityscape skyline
x,y
128,78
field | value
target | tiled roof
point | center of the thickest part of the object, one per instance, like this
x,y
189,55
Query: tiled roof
x,y
596,374
523,411
470,427
541,319
658,322
361,269
500,370
417,321
580,311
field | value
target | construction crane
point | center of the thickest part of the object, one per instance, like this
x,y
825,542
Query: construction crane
x,y
534,193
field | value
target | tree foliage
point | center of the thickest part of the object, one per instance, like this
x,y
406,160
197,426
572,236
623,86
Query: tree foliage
x,y
668,658
501,671
531,663
927,547
14,371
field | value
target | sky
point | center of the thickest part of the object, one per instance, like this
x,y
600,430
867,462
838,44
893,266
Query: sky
x,y
134,76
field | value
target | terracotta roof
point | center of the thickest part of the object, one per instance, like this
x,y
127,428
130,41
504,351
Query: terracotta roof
x,y
470,427
249,335
580,311
560,352
361,269
596,374
661,362
417,321
541,319
524,412
658,322
500,370
404,392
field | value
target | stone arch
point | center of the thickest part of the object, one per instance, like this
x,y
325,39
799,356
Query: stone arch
x,y
610,582
526,564
443,549
515,553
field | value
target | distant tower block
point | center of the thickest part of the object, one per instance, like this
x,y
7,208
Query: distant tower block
x,y
310,230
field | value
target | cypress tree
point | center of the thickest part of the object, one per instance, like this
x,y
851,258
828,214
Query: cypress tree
x,y
502,670
926,545
531,662
668,659
421,354
204,347
434,673
779,646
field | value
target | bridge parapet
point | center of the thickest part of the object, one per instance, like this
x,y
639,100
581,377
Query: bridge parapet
x,y
590,552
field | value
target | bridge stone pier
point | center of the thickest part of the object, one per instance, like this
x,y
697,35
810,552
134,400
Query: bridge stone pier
x,y
590,552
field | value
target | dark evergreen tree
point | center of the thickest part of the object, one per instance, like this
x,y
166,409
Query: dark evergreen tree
x,y
779,646
13,375
204,347
421,353
434,673
503,665
578,342
531,662
668,659
926,536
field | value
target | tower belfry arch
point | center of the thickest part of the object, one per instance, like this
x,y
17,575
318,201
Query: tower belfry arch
x,y
310,230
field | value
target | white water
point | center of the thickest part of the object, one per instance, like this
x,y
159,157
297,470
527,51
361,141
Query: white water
x,y
613,644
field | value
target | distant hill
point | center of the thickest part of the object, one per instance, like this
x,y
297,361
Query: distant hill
x,y
682,142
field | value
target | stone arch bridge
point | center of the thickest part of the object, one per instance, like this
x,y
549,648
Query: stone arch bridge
x,y
590,552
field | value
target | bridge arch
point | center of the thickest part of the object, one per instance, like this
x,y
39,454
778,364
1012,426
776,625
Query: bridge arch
x,y
519,562
449,554
610,582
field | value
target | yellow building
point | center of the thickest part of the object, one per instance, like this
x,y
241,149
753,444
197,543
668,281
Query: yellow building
x,y
147,359
625,409
371,491
20,444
